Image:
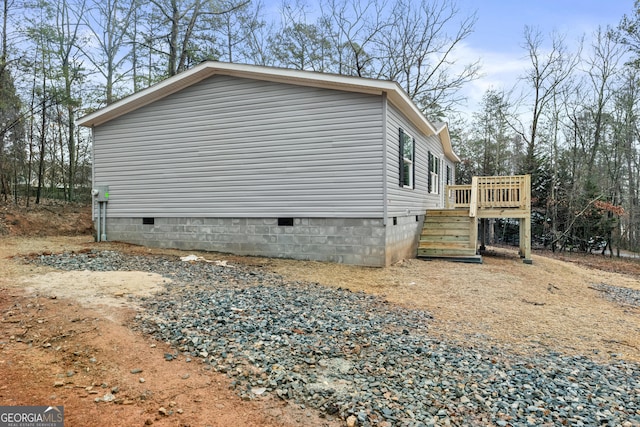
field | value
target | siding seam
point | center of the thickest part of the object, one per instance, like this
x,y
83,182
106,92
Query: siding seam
x,y
385,159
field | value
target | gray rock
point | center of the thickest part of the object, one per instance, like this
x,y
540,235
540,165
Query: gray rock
x,y
349,354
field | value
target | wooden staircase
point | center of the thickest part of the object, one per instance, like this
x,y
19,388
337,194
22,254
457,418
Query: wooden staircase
x,y
453,233
450,234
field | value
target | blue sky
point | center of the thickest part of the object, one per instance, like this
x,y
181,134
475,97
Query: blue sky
x,y
498,37
501,22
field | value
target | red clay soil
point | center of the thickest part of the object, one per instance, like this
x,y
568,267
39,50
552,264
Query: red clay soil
x,y
61,350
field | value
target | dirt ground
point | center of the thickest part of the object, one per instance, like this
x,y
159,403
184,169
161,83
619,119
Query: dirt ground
x,y
65,339
65,336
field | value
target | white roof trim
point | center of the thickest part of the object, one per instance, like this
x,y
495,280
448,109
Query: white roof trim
x,y
395,94
443,133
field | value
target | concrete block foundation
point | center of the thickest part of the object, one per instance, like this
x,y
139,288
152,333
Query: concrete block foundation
x,y
358,241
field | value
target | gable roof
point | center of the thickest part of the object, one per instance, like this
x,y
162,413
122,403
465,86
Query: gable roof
x,y
395,94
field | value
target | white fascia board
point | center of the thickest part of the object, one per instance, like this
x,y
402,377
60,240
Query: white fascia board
x,y
443,132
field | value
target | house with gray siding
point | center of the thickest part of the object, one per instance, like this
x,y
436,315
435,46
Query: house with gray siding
x,y
271,162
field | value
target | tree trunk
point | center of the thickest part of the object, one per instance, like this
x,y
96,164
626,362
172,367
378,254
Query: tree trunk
x,y
43,139
173,38
71,146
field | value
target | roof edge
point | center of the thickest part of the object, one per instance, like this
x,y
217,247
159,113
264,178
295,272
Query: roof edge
x,y
146,96
285,75
207,69
445,137
395,94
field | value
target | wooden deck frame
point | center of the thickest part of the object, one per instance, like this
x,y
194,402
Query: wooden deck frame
x,y
496,197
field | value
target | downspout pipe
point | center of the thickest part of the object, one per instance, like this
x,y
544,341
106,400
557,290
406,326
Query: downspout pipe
x,y
97,205
104,221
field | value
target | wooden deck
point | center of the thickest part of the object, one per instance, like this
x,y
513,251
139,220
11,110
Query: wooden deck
x,y
453,232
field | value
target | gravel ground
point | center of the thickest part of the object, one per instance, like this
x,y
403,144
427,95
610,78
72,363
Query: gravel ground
x,y
357,357
620,295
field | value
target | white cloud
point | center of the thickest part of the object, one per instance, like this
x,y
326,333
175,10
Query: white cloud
x,y
499,71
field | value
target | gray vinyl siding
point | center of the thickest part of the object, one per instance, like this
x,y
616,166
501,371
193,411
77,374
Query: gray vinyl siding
x,y
235,147
405,201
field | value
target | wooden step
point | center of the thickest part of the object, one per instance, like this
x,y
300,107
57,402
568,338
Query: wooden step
x,y
445,245
450,219
448,212
444,238
457,224
475,259
430,252
430,229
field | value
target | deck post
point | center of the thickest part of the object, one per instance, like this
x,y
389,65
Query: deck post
x,y
526,234
473,233
473,203
521,249
525,239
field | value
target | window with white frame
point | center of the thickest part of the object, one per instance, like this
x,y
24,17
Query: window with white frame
x,y
434,174
407,159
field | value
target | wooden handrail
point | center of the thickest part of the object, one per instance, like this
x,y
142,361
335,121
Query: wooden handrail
x,y
459,196
491,192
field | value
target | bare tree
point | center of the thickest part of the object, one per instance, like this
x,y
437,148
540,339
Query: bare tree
x,y
108,21
603,67
231,28
183,17
145,35
66,48
549,69
300,43
627,133
629,32
10,105
354,27
256,33
418,51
